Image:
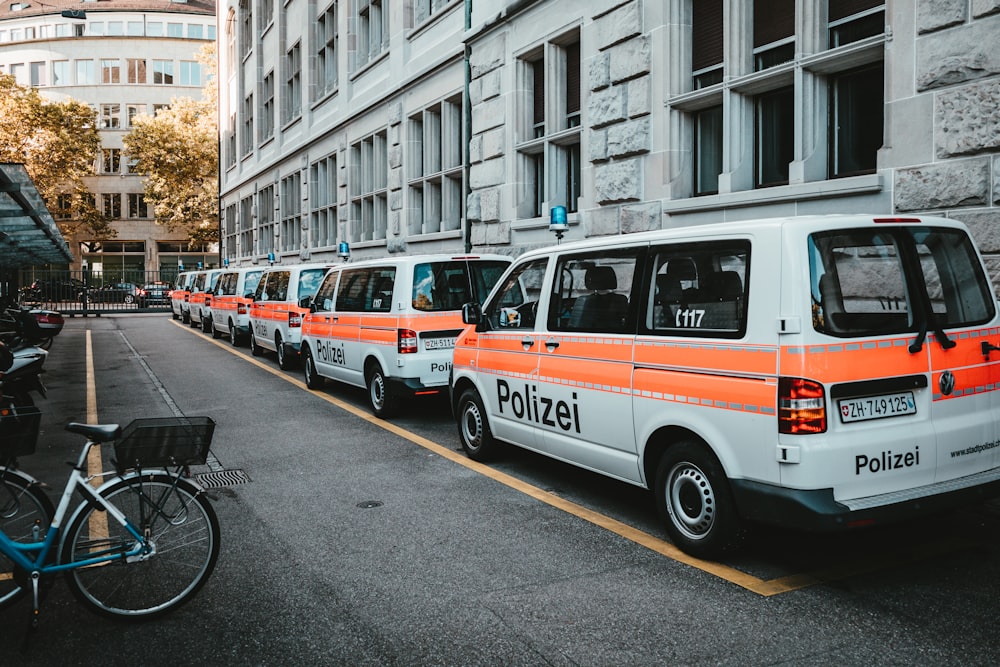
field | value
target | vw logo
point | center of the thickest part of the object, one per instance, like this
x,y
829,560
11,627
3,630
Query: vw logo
x,y
947,383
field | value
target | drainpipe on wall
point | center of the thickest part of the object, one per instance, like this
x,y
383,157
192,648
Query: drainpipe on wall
x,y
467,120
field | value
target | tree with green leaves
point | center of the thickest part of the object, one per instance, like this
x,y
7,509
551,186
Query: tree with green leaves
x,y
177,151
58,142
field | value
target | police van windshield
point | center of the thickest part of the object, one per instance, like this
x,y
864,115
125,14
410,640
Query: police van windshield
x,y
896,280
449,285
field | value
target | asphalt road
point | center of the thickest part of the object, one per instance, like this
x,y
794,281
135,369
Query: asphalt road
x,y
360,542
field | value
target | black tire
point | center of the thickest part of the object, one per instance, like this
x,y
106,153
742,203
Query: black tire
x,y
129,299
380,398
285,360
184,533
234,335
215,331
207,326
474,428
186,316
255,349
25,515
694,500
313,379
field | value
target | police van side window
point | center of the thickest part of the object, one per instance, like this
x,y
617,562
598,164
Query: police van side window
x,y
698,289
250,282
593,292
352,290
515,304
309,282
260,294
378,299
323,301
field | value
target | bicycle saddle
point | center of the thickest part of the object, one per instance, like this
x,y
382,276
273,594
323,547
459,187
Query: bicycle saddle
x,y
95,432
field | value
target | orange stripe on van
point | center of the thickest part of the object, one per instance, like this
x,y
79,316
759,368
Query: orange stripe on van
x,y
709,356
852,360
756,395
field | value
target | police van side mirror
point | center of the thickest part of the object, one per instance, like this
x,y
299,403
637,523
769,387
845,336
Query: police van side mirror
x,y
306,302
472,313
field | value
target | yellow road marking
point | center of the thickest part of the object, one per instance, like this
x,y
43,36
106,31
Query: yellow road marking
x,y
98,522
764,587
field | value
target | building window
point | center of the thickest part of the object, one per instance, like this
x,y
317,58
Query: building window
x,y
136,70
111,160
111,116
369,196
111,70
137,206
18,72
855,121
773,32
774,136
293,84
266,14
229,216
372,28
163,72
196,31
266,124
37,72
246,139
707,150
116,28
246,27
95,29
424,9
85,73
60,73
134,28
112,205
854,20
245,241
175,30
190,73
64,207
230,139
549,161
435,152
154,29
265,219
291,212
323,190
706,42
325,76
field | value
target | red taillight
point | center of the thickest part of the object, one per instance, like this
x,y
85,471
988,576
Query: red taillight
x,y
897,220
241,309
294,319
407,341
801,406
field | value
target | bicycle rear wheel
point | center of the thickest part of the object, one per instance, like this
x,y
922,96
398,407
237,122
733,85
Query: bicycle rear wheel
x,y
182,532
25,515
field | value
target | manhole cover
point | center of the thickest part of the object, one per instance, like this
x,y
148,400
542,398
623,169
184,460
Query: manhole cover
x,y
369,504
218,479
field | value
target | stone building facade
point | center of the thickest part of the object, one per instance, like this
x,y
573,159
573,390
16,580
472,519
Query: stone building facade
x,y
456,126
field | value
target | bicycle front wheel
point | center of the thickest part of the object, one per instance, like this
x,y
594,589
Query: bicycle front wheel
x,y
25,515
182,535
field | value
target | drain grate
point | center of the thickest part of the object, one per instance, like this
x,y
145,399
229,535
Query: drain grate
x,y
218,479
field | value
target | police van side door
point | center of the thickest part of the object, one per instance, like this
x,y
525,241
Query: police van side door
x,y
317,328
582,405
508,353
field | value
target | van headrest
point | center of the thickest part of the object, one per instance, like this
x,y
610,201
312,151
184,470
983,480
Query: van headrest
x,y
682,268
600,278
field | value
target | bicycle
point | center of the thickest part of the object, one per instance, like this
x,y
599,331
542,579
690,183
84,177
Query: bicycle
x,y
138,546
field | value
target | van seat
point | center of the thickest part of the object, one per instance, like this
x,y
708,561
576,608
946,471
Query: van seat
x,y
603,309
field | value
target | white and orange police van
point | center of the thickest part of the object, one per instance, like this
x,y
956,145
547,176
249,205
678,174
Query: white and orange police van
x,y
180,294
231,301
276,312
200,299
812,372
389,325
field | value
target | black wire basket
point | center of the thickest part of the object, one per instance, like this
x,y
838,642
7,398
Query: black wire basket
x,y
162,442
18,431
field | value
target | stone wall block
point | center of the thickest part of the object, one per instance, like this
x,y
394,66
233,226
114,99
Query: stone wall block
x,y
494,142
968,120
996,180
475,91
641,217
618,25
600,71
618,181
598,145
985,228
395,179
640,96
602,222
937,14
396,200
486,174
944,185
395,156
472,209
488,56
982,8
491,84
630,59
491,233
488,115
962,54
489,205
476,149
629,138
395,113
606,106
395,245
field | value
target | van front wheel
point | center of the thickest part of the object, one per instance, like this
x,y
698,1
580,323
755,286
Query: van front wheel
x,y
473,427
694,499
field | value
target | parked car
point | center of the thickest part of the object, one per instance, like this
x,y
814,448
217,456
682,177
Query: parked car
x,y
115,293
155,294
68,289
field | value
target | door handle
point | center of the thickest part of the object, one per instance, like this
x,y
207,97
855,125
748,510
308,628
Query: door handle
x,y
551,344
527,342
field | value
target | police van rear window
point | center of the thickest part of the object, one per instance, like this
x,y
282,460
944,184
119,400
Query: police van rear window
x,y
448,285
896,280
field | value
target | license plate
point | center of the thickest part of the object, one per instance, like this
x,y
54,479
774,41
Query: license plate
x,y
439,343
877,407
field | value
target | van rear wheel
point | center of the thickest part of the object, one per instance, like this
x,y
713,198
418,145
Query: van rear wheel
x,y
234,335
255,348
313,379
382,402
285,361
694,500
473,427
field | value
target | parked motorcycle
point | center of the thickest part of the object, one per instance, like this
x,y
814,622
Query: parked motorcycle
x,y
30,327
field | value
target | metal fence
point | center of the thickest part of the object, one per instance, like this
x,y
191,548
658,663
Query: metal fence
x,y
94,293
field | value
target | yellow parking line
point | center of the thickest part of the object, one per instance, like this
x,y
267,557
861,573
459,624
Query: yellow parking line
x,y
764,587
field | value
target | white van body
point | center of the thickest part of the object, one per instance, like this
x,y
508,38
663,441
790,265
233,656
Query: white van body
x,y
200,299
814,372
231,302
390,324
276,312
180,294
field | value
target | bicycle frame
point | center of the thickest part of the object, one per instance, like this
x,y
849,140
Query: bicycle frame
x,y
31,556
